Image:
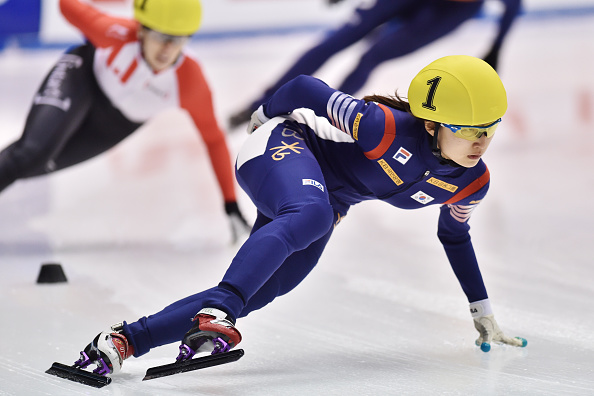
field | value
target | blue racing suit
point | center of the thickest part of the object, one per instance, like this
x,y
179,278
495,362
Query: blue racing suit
x,y
322,152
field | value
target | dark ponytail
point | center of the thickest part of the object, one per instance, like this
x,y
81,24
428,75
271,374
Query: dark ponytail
x,y
395,102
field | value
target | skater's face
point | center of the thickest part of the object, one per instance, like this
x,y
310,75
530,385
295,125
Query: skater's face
x,y
466,153
160,50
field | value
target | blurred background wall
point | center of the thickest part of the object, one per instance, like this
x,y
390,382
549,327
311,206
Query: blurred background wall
x,y
39,24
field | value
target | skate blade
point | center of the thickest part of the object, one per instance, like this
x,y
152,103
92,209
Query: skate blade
x,y
193,364
78,375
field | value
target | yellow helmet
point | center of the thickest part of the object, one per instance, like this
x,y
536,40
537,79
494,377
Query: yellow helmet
x,y
174,17
458,89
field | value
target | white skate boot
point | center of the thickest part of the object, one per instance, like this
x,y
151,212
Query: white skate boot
x,y
108,350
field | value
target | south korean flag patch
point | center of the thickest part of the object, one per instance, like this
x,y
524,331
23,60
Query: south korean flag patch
x,y
422,197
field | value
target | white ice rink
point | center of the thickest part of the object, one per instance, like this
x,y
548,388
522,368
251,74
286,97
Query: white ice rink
x,y
143,226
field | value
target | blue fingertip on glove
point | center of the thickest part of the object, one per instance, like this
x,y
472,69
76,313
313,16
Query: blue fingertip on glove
x,y
524,341
485,347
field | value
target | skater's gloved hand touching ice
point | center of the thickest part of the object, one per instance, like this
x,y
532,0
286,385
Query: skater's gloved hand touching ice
x,y
238,224
489,331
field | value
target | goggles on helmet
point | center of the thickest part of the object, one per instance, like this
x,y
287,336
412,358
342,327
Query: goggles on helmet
x,y
163,38
471,132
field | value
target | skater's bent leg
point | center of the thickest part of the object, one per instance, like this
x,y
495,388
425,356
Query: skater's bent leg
x,y
275,163
170,324
253,267
59,107
264,252
294,269
363,21
396,39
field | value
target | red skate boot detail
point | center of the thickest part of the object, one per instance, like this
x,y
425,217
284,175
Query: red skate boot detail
x,y
120,342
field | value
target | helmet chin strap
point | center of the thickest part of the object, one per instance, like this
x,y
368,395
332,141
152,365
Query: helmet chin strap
x,y
437,152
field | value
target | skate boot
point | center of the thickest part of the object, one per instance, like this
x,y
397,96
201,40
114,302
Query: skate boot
x,y
108,350
212,332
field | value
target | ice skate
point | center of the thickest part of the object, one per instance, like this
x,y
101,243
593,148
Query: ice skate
x,y
108,350
212,332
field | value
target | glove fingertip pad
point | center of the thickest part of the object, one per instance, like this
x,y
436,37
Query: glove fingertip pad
x,y
524,341
485,347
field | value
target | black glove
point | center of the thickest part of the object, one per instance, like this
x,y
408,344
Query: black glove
x,y
334,1
238,223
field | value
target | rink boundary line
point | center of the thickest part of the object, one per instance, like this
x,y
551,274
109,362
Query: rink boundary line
x,y
30,42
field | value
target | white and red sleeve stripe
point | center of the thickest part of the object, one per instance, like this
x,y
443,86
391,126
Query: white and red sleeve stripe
x,y
461,213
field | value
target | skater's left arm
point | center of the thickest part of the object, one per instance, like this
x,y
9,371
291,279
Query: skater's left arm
x,y
196,99
453,232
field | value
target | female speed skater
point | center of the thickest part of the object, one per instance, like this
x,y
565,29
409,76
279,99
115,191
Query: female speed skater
x,y
316,152
391,29
101,92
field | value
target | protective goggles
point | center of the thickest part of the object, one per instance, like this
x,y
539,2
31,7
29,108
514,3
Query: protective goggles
x,y
470,132
163,38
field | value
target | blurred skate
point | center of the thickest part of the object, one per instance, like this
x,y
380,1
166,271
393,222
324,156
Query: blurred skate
x,y
241,117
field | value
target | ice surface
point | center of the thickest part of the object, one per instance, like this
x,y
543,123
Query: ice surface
x,y
143,226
